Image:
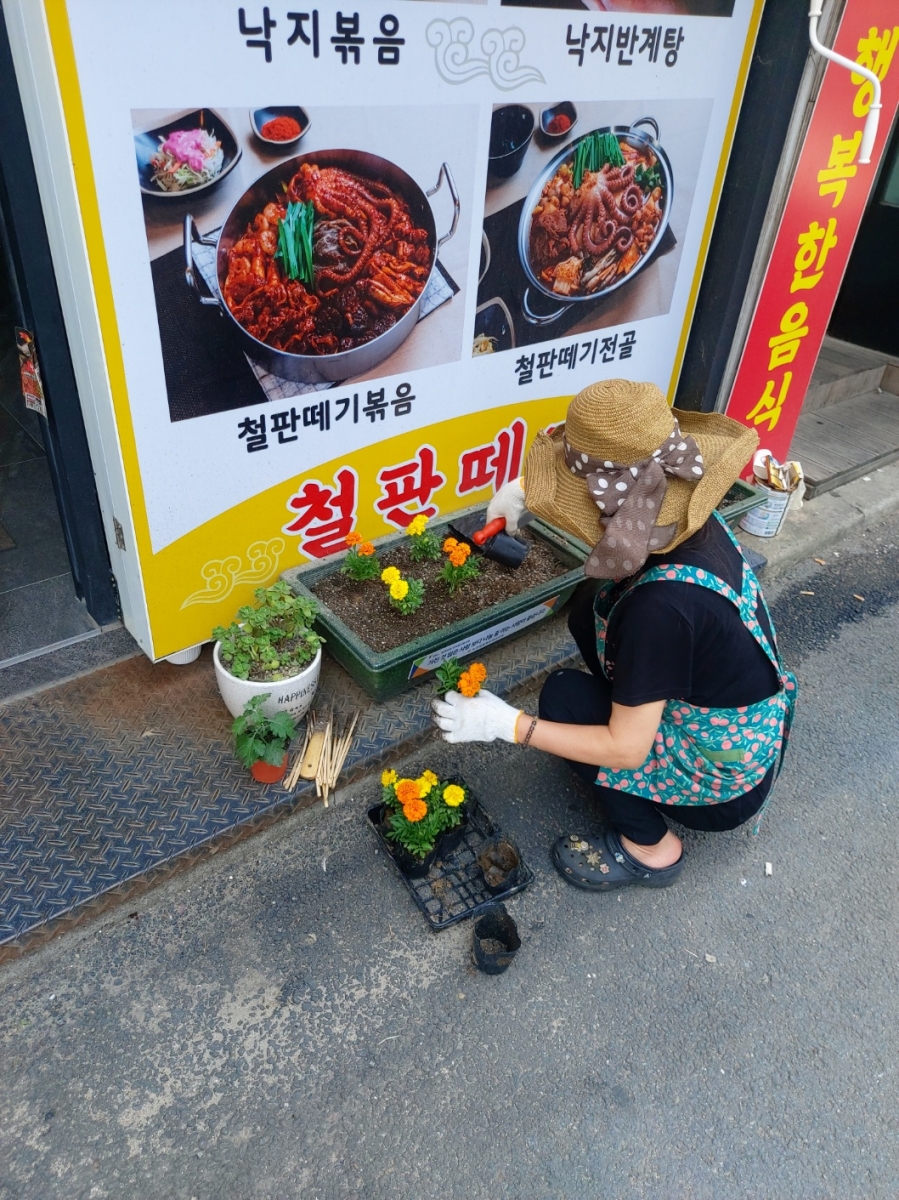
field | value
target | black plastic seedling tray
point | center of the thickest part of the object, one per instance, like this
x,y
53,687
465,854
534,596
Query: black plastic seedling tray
x,y
454,887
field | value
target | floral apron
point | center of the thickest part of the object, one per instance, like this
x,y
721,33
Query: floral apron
x,y
708,755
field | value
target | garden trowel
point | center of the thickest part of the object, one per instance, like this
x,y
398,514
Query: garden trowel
x,y
491,540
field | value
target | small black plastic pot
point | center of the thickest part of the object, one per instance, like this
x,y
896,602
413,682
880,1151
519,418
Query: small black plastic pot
x,y
500,863
494,928
449,842
411,867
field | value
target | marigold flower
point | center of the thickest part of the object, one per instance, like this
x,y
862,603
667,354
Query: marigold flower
x,y
458,557
366,549
430,777
450,544
390,575
388,778
467,685
453,795
417,525
398,589
478,672
424,785
353,539
407,790
415,810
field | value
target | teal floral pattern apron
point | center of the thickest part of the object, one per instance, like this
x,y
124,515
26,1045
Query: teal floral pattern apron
x,y
708,755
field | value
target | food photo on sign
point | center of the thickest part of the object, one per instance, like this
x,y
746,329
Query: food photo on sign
x,y
586,208
287,259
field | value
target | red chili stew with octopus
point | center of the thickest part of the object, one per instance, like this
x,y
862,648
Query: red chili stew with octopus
x,y
371,263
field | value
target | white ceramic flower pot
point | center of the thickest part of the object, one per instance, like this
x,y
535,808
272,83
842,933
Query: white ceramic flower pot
x,y
292,695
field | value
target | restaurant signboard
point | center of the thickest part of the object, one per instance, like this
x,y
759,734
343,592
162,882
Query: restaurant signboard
x,y
346,261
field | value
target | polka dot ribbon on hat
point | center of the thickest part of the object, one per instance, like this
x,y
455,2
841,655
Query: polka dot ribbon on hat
x,y
629,498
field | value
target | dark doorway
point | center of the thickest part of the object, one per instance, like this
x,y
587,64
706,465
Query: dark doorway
x,y
38,604
55,581
867,308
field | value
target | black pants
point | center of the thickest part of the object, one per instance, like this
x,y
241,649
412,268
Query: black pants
x,y
575,698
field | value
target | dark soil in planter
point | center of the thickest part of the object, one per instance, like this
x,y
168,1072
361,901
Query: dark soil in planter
x,y
366,609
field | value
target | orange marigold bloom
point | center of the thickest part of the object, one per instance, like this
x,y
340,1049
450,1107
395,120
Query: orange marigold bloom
x,y
458,558
415,810
478,672
450,544
353,539
408,790
366,549
468,685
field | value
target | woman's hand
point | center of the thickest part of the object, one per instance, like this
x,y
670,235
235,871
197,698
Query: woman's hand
x,y
481,718
508,503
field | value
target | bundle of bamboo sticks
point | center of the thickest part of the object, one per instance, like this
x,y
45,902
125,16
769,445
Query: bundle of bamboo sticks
x,y
322,755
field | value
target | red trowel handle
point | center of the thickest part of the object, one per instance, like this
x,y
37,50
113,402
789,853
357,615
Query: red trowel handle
x,y
491,529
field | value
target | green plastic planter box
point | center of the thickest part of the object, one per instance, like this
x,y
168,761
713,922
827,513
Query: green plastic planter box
x,y
387,673
739,500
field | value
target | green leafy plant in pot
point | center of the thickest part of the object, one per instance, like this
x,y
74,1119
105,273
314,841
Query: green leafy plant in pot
x,y
270,642
260,742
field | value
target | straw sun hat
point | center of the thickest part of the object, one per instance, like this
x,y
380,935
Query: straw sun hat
x,y
632,476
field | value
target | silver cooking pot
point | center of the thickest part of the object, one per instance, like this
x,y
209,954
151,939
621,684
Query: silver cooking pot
x,y
316,368
633,135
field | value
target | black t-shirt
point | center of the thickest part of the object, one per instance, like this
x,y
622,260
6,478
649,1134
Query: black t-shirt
x,y
670,640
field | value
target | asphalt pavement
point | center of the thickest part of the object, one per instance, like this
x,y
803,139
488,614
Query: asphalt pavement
x,y
280,1022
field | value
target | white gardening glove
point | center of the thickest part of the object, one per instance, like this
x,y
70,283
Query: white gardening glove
x,y
481,718
508,503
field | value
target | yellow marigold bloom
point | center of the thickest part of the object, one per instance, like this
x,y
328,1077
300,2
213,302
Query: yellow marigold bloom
x,y
417,525
388,778
450,544
430,777
398,589
453,795
478,672
390,575
468,686
415,810
459,556
366,549
353,539
407,790
424,785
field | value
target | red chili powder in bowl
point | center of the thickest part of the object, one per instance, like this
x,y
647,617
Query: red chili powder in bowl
x,y
559,124
282,129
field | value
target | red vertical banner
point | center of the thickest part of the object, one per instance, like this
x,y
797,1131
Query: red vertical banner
x,y
824,208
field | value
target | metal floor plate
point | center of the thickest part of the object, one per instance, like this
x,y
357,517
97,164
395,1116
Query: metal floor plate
x,y
113,780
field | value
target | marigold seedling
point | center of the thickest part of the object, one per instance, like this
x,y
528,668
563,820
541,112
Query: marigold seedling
x,y
405,595
423,544
361,562
460,567
420,810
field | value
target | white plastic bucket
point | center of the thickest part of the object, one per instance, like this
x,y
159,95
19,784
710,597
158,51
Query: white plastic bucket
x,y
766,519
292,695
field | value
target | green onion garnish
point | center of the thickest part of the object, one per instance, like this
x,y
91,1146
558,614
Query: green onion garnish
x,y
295,242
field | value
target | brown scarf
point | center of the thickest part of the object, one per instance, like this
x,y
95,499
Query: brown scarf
x,y
629,498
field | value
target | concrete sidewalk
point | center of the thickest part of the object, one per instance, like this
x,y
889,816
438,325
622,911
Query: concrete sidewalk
x,y
121,776
828,519
280,1024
